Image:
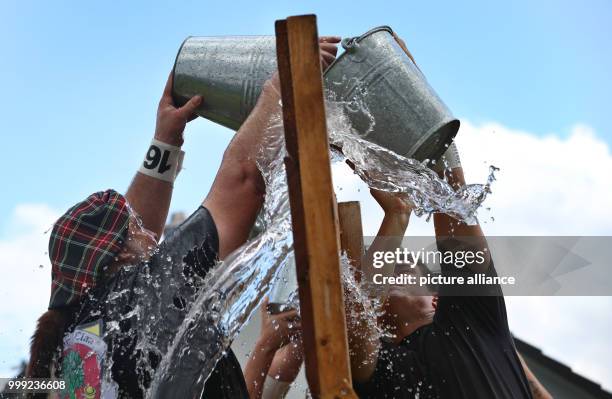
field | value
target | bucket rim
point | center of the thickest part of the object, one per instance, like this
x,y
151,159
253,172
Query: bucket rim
x,y
357,39
190,37
174,67
453,122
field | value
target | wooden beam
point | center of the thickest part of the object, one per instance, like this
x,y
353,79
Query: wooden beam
x,y
313,209
351,231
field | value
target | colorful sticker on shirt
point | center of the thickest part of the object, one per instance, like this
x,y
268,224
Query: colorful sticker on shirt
x,y
83,363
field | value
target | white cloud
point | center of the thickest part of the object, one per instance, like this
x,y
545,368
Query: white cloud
x,y
572,330
546,186
26,270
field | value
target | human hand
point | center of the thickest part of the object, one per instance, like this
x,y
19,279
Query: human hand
x,y
278,330
171,120
392,203
328,48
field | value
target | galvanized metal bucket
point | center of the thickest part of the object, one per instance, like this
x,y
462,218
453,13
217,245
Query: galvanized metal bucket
x,y
410,118
227,71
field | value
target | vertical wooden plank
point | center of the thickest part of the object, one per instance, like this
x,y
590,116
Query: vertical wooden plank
x,y
351,231
313,209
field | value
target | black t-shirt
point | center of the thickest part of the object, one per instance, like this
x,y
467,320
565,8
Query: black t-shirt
x,y
164,286
466,352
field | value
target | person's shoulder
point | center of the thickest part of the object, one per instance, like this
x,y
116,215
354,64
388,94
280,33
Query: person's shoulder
x,y
226,380
198,230
398,368
417,336
406,349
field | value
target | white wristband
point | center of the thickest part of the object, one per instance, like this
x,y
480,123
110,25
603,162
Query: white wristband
x,y
274,389
448,160
162,161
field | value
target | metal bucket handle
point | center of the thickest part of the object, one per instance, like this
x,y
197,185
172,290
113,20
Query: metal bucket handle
x,y
349,44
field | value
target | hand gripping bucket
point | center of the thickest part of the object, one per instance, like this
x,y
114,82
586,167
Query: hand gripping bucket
x,y
227,71
409,117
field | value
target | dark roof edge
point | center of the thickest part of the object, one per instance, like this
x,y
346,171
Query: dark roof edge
x,y
593,388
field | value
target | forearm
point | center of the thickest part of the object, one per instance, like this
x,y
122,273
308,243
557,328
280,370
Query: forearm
x,y
238,191
287,362
150,198
389,237
257,368
363,336
150,195
447,226
255,131
150,192
537,389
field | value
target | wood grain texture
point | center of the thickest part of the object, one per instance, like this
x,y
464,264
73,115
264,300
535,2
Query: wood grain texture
x,y
313,209
351,231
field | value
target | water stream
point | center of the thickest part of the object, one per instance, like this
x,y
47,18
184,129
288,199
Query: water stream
x,y
233,289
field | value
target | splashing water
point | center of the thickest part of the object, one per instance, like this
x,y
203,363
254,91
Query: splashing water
x,y
234,288
218,306
383,169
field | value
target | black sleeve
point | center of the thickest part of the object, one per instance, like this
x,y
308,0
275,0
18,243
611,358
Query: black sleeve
x,y
397,373
161,288
195,242
479,306
226,381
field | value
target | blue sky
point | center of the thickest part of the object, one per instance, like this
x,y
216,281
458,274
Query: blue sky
x,y
81,82
82,79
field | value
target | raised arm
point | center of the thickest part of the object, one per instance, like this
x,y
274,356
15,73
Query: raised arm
x,y
150,194
390,233
238,191
283,371
448,228
276,331
537,389
364,343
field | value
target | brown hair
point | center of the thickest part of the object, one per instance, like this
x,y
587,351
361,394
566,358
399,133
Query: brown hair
x,y
46,343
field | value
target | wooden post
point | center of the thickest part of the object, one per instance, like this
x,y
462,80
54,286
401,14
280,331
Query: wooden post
x,y
313,209
351,231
